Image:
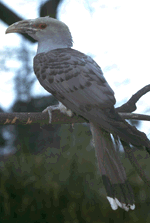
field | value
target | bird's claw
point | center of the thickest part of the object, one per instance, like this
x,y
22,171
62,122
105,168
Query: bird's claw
x,y
59,107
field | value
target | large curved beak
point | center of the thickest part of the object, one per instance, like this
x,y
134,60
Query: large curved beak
x,y
20,27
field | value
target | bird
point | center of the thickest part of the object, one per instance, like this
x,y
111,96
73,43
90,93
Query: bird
x,y
78,83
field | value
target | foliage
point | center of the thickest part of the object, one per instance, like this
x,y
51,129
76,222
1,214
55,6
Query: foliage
x,y
62,184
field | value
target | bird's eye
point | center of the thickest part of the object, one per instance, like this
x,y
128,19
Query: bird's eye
x,y
42,26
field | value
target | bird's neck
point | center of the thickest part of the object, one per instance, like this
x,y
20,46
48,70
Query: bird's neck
x,y
50,44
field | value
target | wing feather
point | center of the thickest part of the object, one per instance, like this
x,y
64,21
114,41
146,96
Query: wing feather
x,y
75,76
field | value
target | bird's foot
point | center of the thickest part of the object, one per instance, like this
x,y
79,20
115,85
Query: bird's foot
x,y
59,107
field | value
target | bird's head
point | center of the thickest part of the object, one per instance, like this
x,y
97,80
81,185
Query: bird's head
x,y
43,29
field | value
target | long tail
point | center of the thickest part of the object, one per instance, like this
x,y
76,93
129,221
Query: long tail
x,y
119,191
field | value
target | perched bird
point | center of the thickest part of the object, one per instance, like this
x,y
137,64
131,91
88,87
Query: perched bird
x,y
78,83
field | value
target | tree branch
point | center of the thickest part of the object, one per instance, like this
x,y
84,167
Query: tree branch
x,y
57,118
27,118
130,105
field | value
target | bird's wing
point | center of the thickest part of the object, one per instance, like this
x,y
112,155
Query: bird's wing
x,y
75,76
76,80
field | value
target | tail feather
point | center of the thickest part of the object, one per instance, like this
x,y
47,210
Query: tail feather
x,y
119,191
128,133
112,122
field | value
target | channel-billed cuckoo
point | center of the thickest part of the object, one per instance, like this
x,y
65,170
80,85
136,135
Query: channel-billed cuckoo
x,y
77,81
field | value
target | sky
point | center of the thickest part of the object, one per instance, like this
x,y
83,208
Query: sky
x,y
115,33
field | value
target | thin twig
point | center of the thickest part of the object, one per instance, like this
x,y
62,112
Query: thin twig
x,y
135,116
